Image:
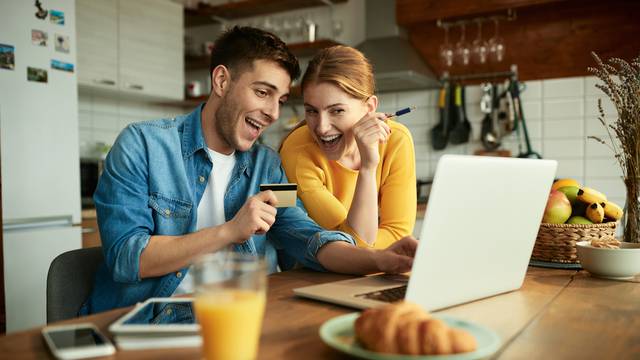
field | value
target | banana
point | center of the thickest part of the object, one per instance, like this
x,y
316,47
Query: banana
x,y
612,210
595,213
564,182
590,196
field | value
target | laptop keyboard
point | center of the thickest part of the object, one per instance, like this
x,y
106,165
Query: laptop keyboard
x,y
387,295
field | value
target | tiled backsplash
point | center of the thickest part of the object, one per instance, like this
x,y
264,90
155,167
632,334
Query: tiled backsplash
x,y
101,118
560,114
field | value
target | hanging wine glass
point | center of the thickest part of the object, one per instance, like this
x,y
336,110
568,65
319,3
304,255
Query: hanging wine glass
x,y
479,47
446,50
496,44
462,50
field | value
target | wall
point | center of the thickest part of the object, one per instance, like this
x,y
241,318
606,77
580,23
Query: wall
x,y
102,117
560,114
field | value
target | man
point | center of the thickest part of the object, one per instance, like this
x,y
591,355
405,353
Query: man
x,y
174,189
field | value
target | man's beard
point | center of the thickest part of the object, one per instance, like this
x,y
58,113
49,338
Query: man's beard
x,y
226,122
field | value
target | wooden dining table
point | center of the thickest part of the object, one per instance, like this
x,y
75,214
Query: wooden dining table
x,y
556,314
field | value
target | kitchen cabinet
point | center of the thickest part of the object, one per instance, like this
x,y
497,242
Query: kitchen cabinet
x,y
151,47
133,47
97,24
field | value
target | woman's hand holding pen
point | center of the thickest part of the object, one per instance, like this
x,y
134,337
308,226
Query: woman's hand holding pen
x,y
369,132
372,130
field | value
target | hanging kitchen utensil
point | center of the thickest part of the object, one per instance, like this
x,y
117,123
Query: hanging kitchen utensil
x,y
506,117
460,133
488,105
440,132
515,93
511,113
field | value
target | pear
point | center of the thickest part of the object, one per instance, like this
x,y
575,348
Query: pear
x,y
571,192
579,220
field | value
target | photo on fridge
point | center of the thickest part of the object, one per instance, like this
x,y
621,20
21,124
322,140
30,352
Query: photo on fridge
x,y
39,37
7,58
37,75
57,17
61,65
62,43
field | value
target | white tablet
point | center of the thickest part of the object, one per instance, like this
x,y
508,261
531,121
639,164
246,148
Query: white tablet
x,y
160,317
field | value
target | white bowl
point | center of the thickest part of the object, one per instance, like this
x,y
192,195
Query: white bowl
x,y
618,264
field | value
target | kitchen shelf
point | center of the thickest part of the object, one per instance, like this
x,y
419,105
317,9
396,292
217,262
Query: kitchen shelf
x,y
207,14
187,102
308,49
305,49
294,96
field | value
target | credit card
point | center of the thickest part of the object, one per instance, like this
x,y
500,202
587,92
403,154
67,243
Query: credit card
x,y
285,193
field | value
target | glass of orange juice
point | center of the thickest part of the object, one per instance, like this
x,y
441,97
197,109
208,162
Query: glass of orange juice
x,y
230,296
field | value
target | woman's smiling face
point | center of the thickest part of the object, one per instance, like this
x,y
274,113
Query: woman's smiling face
x,y
330,114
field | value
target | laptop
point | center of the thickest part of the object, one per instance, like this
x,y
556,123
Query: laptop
x,y
476,239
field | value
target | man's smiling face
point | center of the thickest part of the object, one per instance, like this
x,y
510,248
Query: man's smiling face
x,y
251,104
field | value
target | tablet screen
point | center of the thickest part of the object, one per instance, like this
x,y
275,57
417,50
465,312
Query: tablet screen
x,y
163,313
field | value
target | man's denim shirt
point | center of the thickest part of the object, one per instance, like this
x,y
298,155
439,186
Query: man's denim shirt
x,y
152,183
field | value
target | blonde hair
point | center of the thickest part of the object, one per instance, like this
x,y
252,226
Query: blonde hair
x,y
343,66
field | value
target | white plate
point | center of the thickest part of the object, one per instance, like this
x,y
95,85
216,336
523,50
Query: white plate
x,y
339,334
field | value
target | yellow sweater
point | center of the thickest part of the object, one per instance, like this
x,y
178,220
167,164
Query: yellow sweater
x,y
326,187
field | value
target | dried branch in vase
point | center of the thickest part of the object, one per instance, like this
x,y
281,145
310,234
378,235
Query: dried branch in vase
x,y
621,83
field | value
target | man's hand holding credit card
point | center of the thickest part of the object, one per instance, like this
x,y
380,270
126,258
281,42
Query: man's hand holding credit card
x,y
285,193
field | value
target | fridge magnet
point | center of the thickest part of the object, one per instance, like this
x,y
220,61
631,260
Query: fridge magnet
x,y
57,17
41,13
7,59
39,37
62,43
37,75
61,65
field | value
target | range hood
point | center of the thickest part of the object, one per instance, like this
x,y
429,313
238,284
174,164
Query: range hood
x,y
396,64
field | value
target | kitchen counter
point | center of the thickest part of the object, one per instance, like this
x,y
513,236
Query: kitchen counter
x,y
89,214
90,233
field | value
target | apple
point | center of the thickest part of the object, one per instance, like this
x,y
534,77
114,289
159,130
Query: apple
x,y
558,208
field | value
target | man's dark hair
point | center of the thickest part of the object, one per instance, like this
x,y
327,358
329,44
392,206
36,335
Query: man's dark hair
x,y
239,47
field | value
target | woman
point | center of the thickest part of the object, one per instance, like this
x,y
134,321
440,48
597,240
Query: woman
x,y
355,167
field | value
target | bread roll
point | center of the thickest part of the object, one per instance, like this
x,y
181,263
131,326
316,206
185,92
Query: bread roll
x,y
404,328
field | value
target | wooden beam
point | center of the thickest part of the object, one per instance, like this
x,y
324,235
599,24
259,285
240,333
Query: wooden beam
x,y
247,8
411,12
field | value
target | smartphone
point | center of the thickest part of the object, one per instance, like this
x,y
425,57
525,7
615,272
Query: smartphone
x,y
76,341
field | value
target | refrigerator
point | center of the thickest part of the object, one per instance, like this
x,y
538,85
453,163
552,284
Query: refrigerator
x,y
39,148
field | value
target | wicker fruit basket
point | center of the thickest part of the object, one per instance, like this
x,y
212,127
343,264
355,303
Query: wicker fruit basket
x,y
557,242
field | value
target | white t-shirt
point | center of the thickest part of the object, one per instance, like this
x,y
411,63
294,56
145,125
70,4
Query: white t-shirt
x,y
211,207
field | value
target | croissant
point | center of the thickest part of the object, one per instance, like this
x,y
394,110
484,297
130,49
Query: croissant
x,y
404,328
